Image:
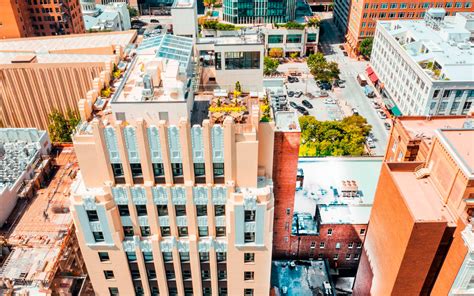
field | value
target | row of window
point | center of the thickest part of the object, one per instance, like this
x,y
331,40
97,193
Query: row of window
x,y
159,171
322,245
361,231
291,38
424,5
188,291
238,60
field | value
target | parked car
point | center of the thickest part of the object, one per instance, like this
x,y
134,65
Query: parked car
x,y
291,93
371,136
382,115
370,143
292,79
376,105
307,104
320,82
325,86
344,53
154,21
298,94
293,104
368,91
329,101
387,125
323,93
302,110
354,111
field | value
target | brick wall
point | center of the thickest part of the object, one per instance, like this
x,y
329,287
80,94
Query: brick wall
x,y
285,165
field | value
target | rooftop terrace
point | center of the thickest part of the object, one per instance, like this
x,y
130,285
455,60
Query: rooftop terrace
x,y
342,188
443,49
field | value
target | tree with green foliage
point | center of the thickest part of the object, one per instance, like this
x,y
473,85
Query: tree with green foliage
x,y
132,11
333,138
61,127
293,25
365,47
270,65
321,69
313,22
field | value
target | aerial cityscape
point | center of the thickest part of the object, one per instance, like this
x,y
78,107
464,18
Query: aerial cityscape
x,y
236,148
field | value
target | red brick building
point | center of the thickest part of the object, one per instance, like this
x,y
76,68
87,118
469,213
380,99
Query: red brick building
x,y
420,240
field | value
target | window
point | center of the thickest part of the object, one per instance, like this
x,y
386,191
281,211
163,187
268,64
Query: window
x,y
165,231
170,274
123,210
403,5
446,93
249,276
459,93
338,245
218,64
151,276
180,210
311,37
117,170
148,256
201,210
249,237
203,231
113,291
222,291
468,5
362,231
219,210
393,5
167,256
248,292
293,38
435,93
199,169
183,231
221,275
359,245
204,256
104,256
205,274
220,231
242,60
145,230
249,215
131,256
321,245
330,231
384,5
109,274
141,210
136,169
135,274
288,211
454,107
275,38
335,257
466,107
348,256
173,291
186,274
158,170
177,169
92,215
128,231
356,256
249,257
162,210
184,256
98,236
350,245
221,256
218,169
313,245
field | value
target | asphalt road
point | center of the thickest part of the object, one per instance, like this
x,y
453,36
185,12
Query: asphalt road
x,y
352,95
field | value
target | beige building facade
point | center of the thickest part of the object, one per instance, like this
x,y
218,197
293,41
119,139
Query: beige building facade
x,y
174,206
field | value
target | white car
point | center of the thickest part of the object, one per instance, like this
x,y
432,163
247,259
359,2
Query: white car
x,y
330,101
382,115
370,143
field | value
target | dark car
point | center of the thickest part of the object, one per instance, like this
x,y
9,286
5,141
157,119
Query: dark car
x,y
294,105
325,86
154,21
138,23
321,82
387,125
298,94
302,110
291,93
307,104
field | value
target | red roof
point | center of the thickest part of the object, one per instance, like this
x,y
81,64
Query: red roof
x,y
373,77
369,70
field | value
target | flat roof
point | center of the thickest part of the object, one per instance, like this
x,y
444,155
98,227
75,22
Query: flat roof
x,y
460,142
230,40
304,278
323,187
421,196
449,45
67,42
183,3
425,127
55,58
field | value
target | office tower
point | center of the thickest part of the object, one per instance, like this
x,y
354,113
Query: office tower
x,y
258,12
171,201
40,18
424,67
43,74
357,19
419,236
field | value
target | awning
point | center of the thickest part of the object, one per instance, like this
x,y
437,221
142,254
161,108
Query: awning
x,y
369,70
391,106
373,77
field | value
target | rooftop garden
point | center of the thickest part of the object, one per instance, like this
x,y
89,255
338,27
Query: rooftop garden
x,y
434,69
215,25
291,25
237,105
